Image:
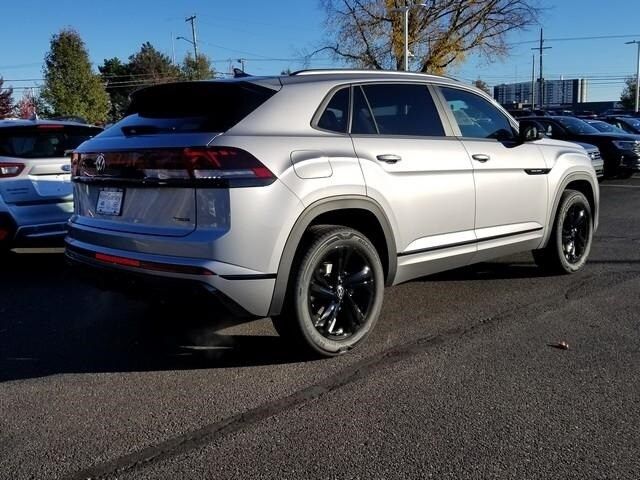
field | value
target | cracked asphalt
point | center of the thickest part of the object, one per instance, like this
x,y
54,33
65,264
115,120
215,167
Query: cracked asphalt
x,y
459,379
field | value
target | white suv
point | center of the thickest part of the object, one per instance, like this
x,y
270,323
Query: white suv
x,y
300,197
35,180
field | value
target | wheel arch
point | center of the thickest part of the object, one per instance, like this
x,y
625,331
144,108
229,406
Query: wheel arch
x,y
360,213
583,183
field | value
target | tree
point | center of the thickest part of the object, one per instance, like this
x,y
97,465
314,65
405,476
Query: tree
x,y
628,96
118,80
150,66
200,70
26,107
71,88
6,100
482,85
369,34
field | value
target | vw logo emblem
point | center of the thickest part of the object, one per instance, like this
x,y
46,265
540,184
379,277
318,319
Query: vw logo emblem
x,y
101,163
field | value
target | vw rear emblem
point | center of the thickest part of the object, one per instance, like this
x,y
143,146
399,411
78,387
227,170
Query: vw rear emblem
x,y
101,163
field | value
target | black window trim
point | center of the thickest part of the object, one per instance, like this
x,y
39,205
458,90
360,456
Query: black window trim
x,y
444,120
323,105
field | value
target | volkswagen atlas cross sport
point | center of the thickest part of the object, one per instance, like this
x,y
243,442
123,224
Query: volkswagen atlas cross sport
x,y
300,197
35,179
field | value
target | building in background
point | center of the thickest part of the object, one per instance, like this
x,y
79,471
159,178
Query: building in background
x,y
556,92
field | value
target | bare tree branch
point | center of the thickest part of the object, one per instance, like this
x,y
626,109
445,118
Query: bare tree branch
x,y
369,33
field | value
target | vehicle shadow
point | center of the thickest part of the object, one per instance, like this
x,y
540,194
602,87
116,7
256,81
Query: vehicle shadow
x,y
51,323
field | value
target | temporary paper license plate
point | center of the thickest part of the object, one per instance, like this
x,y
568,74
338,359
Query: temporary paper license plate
x,y
110,201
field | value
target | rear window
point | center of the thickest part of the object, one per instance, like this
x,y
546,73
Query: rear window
x,y
190,107
43,141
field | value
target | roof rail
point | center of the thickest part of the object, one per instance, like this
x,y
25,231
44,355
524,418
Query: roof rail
x,y
324,71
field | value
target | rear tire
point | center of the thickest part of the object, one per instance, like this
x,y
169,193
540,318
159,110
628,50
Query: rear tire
x,y
570,241
336,292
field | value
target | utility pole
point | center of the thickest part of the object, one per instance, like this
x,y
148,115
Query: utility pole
x,y
637,42
540,50
533,81
173,49
192,19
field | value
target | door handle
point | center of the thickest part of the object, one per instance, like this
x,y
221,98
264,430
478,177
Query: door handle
x,y
481,157
389,158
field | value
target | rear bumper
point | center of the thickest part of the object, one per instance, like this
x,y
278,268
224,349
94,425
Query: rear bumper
x,y
37,224
245,293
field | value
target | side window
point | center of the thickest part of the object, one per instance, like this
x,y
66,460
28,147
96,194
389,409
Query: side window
x,y
551,130
401,109
362,119
476,117
334,117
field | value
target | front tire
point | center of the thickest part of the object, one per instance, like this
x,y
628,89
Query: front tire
x,y
570,242
336,295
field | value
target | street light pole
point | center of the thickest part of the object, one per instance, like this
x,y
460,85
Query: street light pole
x,y
405,19
637,42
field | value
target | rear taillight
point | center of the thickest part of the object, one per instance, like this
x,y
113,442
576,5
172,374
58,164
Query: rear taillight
x,y
10,169
195,166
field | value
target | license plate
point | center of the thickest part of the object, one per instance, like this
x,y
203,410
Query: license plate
x,y
110,201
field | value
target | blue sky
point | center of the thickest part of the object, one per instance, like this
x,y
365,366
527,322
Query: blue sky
x,y
262,31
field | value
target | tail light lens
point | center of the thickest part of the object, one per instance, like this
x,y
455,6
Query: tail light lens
x,y
196,166
10,169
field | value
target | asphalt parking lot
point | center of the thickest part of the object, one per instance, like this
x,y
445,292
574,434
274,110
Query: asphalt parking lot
x,y
459,379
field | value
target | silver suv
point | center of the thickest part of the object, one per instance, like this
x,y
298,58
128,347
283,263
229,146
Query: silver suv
x,y
300,197
35,179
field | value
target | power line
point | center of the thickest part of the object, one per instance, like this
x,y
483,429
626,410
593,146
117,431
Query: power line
x,y
571,39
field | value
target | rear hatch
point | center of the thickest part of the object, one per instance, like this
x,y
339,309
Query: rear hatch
x,y
144,174
36,161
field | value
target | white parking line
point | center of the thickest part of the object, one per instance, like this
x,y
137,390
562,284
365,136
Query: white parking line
x,y
619,186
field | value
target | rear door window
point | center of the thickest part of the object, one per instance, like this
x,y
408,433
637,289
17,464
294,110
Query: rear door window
x,y
401,109
43,141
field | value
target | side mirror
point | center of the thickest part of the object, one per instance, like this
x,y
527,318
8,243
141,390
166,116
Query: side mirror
x,y
530,131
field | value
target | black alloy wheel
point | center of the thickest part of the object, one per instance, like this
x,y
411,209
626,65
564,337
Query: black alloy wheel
x,y
335,294
341,292
569,244
575,233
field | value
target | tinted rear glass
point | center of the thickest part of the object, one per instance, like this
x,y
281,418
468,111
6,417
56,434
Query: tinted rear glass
x,y
190,107
404,109
43,141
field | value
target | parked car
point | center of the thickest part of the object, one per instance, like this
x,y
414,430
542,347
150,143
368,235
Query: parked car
x,y
603,126
300,197
35,181
620,152
596,158
592,151
627,124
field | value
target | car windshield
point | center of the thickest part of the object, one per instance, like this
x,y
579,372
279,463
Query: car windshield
x,y
43,141
606,127
576,126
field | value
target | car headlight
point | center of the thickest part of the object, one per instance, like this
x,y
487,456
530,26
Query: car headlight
x,y
625,145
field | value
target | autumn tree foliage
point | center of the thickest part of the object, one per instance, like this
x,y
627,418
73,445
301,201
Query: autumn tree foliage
x,y
442,33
